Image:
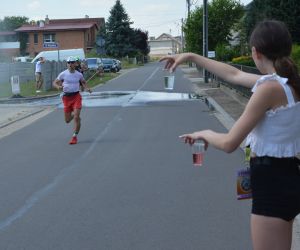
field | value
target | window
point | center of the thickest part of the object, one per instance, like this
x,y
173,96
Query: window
x,y
25,37
49,38
35,38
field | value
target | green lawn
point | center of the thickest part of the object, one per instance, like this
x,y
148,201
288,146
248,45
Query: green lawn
x,y
28,89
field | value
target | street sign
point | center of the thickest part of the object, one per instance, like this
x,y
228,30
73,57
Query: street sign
x,y
211,54
50,45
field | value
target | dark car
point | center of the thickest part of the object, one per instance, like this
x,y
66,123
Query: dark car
x,y
109,65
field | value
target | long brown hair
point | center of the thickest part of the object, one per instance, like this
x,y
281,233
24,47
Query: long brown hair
x,y
272,39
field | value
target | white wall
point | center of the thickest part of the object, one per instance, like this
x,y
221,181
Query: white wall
x,y
9,45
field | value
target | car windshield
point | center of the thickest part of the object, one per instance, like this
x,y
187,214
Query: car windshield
x,y
107,60
91,61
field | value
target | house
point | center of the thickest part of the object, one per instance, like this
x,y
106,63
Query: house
x,y
53,34
163,45
9,45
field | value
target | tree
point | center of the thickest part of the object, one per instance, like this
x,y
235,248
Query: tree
x,y
287,11
193,31
141,41
222,16
119,35
12,23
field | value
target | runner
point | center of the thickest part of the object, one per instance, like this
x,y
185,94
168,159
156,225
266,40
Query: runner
x,y
69,81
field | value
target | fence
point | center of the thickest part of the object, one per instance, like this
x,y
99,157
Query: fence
x,y
26,73
240,89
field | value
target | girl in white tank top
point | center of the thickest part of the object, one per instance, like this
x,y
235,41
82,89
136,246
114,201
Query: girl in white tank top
x,y
271,123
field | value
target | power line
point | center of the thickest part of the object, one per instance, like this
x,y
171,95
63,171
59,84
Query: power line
x,y
159,23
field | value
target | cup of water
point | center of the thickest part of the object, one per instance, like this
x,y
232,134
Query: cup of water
x,y
198,152
169,79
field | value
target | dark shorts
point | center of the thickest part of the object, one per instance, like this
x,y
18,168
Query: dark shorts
x,y
275,186
72,102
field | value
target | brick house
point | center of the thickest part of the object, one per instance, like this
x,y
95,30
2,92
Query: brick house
x,y
64,33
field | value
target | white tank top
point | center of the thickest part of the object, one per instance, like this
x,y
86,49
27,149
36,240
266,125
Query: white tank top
x,y
278,133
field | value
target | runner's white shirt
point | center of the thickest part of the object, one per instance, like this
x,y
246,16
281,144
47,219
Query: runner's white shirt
x,y
70,80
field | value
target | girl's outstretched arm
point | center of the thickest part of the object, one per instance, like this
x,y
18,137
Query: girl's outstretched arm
x,y
222,70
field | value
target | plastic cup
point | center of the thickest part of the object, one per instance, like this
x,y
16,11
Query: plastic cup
x,y
169,81
198,152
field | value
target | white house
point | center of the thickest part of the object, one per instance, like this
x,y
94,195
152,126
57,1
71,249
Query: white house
x,y
163,45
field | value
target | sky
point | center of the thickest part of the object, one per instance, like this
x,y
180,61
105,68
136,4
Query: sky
x,y
154,16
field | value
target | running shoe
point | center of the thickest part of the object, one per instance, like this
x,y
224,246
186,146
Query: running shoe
x,y
73,140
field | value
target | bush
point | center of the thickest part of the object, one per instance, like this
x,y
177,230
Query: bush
x,y
296,54
244,60
225,52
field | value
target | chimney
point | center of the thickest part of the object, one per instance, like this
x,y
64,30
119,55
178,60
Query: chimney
x,y
86,16
47,20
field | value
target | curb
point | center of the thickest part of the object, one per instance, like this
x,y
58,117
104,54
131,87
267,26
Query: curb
x,y
222,115
20,100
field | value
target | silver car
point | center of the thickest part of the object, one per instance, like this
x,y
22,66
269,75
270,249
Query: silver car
x,y
94,64
118,64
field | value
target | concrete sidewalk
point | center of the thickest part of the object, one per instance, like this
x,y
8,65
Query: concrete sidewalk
x,y
10,114
15,117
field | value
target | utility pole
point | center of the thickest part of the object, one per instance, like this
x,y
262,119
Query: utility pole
x,y
189,13
182,46
205,37
189,7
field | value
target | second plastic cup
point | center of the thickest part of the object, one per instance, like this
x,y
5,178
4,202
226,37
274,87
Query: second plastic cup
x,y
169,81
198,152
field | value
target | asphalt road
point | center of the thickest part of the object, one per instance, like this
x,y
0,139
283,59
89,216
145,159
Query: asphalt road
x,y
128,184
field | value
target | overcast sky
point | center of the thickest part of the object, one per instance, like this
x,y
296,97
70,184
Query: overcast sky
x,y
154,16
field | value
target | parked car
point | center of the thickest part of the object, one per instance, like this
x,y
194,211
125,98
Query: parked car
x,y
118,64
94,64
109,65
59,55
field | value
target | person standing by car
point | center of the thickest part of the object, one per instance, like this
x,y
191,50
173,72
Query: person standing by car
x,y
69,81
38,74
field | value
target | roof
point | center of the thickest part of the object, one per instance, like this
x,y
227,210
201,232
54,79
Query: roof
x,y
57,26
99,20
7,33
165,37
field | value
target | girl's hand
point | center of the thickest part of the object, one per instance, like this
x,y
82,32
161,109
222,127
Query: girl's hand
x,y
188,138
173,61
191,138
